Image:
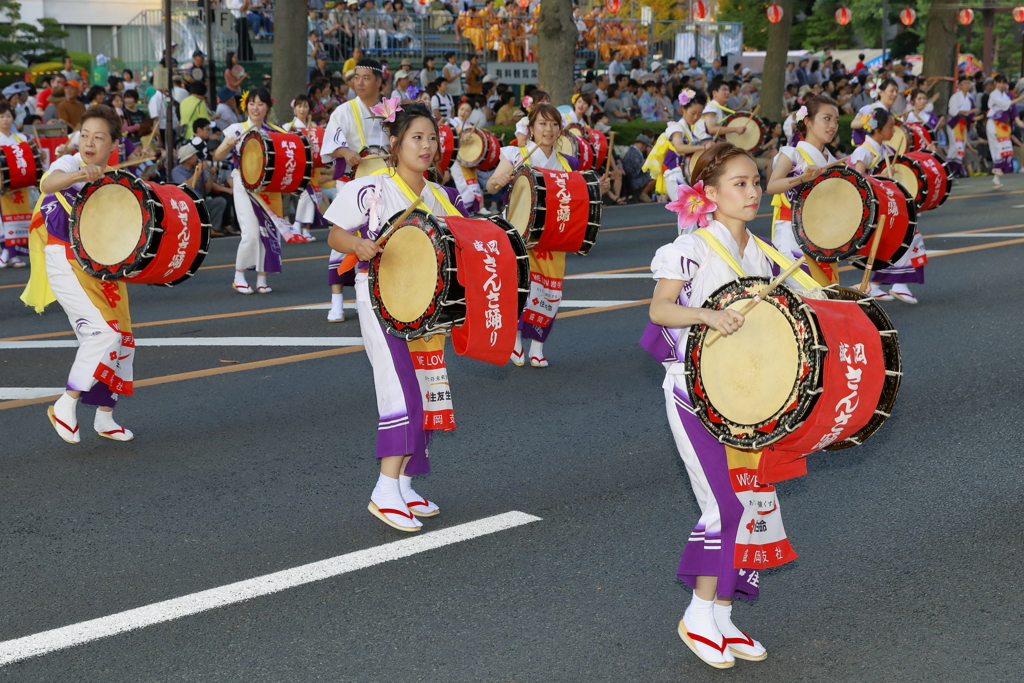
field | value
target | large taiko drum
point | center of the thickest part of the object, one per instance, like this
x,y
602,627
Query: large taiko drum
x,y
315,136
21,166
801,375
448,146
547,222
688,163
123,228
372,158
599,141
920,136
436,274
926,176
902,138
479,149
275,162
576,147
836,214
755,133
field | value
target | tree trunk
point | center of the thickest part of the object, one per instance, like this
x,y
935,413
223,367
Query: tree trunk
x,y
773,80
940,58
556,50
289,74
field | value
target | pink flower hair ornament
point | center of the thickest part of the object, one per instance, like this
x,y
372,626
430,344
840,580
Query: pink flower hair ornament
x,y
693,206
686,96
802,113
386,109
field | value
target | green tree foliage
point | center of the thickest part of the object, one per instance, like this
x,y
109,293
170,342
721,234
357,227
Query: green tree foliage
x,y
753,16
22,42
824,31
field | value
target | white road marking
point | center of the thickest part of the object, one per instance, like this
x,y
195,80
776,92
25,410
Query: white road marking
x,y
15,393
566,303
350,305
611,276
979,234
140,617
198,341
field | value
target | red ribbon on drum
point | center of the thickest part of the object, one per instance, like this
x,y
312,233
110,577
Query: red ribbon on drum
x,y
487,269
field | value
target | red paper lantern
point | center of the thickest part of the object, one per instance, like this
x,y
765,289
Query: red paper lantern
x,y
612,6
1018,14
524,3
908,16
842,16
774,14
966,16
700,10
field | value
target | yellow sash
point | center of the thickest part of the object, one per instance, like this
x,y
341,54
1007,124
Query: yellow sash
x,y
439,194
561,159
780,200
801,277
358,118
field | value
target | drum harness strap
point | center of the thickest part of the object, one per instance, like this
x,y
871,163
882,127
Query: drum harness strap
x,y
781,202
357,116
561,159
803,278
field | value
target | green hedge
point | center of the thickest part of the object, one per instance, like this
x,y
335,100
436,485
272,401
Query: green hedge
x,y
625,133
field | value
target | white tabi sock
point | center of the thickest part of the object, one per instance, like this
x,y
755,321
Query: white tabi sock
x,y
901,289
65,410
261,280
418,505
105,425
741,645
337,303
240,279
537,352
388,496
706,640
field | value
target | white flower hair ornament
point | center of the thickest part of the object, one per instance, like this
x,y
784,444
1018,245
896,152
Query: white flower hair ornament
x,y
686,96
876,88
801,113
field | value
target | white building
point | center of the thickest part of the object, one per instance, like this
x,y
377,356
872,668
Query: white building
x,y
91,23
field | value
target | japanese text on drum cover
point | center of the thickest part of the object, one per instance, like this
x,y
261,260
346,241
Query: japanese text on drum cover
x,y
848,405
564,199
492,287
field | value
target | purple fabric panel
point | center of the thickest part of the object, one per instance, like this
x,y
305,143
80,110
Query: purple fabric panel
x,y
348,278
1005,165
339,168
55,217
901,277
531,331
574,163
455,198
671,159
1006,116
697,560
656,343
270,239
13,251
858,137
957,168
100,395
410,439
318,218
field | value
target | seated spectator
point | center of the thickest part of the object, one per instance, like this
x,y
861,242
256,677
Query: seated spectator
x,y
638,181
196,174
70,111
506,113
614,107
96,95
647,103
319,69
227,111
429,74
202,128
56,97
129,83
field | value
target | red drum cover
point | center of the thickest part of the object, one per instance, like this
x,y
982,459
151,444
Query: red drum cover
x,y
181,240
568,211
920,137
599,142
936,178
20,167
315,135
446,146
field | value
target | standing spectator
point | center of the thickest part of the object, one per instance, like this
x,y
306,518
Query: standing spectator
x,y
801,73
647,103
239,10
615,67
791,78
189,164
442,104
350,63
132,115
193,108
859,66
453,74
636,69
178,91
70,110
429,74
68,70
319,69
129,80
473,75
199,62
227,111
157,110
900,104
405,25
348,25
313,48
231,81
814,75
639,180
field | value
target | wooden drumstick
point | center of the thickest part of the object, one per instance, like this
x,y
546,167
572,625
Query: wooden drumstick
x,y
523,160
350,260
611,148
888,164
715,335
876,239
123,164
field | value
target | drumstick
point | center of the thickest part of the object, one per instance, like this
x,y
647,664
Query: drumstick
x,y
888,164
611,147
715,334
523,160
195,175
350,260
123,164
865,282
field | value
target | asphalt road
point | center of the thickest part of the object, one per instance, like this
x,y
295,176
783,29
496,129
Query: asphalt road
x,y
910,546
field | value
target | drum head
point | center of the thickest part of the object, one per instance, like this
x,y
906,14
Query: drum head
x,y
368,166
520,204
832,212
408,274
899,140
253,161
111,224
751,375
471,148
693,160
750,138
564,146
906,177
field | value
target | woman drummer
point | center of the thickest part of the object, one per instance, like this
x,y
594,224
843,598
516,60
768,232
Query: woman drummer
x,y
818,122
885,93
15,205
687,271
260,247
307,212
582,105
98,311
543,127
357,215
670,152
874,155
465,178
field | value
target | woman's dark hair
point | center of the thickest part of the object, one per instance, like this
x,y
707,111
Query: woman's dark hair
x,y
197,88
815,66
134,94
5,108
31,119
95,91
431,88
880,117
131,74
106,114
999,78
400,126
262,93
698,98
303,98
886,83
636,63
544,110
426,62
506,97
917,91
613,90
814,103
113,82
711,164
231,59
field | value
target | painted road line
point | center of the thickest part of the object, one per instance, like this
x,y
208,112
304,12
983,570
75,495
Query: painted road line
x,y
611,276
15,393
199,341
83,632
981,234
